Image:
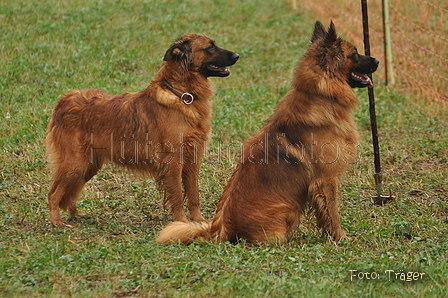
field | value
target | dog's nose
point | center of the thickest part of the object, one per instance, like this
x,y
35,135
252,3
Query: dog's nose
x,y
235,56
376,61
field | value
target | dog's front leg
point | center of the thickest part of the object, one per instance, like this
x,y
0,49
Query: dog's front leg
x,y
323,193
172,185
190,175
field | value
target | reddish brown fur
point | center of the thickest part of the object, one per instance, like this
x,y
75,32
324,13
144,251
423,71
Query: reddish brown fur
x,y
297,158
149,132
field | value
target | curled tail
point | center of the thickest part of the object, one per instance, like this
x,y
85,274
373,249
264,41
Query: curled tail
x,y
184,232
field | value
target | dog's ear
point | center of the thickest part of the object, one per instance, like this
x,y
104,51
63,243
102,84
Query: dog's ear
x,y
319,31
178,51
331,36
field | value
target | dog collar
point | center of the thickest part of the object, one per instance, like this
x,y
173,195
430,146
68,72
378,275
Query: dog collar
x,y
187,98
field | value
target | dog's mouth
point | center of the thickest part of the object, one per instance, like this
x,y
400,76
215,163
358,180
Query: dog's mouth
x,y
359,76
362,79
218,71
218,67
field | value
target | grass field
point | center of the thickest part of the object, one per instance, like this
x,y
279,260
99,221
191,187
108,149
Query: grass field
x,y
48,48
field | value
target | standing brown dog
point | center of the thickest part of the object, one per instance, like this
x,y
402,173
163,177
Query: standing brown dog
x,y
160,130
295,161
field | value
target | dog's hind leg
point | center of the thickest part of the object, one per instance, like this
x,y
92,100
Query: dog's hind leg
x,y
190,173
323,195
64,192
67,185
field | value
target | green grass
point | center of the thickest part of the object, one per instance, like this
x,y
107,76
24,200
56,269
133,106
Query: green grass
x,y
49,48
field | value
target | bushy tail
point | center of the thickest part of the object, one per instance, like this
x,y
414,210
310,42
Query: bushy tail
x,y
184,232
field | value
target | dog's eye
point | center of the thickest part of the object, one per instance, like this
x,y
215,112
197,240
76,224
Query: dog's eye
x,y
354,56
211,49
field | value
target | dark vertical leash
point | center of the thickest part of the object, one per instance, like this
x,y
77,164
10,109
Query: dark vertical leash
x,y
379,199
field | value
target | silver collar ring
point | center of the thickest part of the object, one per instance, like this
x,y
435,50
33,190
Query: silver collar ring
x,y
187,98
